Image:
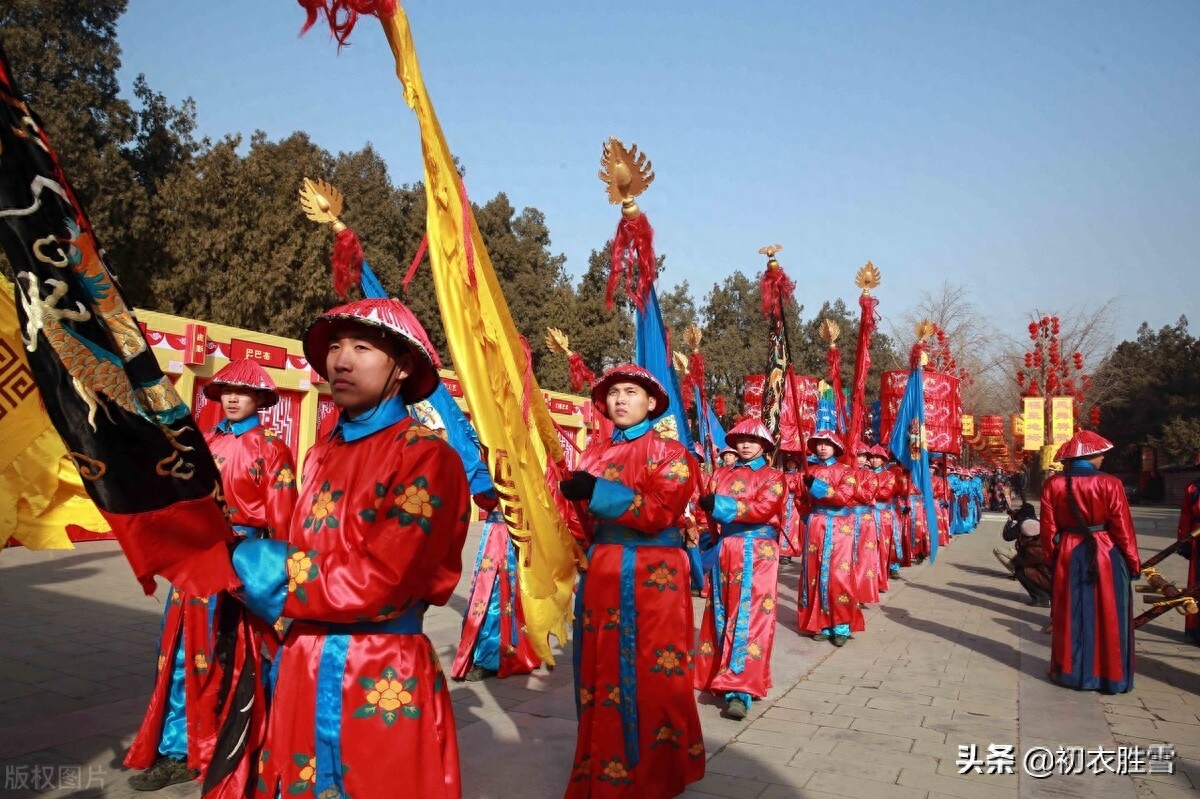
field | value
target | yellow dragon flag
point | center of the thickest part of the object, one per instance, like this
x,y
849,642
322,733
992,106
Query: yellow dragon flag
x,y
492,363
40,489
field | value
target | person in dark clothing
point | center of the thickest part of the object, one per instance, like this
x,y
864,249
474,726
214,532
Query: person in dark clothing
x,y
1030,567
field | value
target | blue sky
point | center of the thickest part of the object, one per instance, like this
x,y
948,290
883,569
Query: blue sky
x,y
1047,155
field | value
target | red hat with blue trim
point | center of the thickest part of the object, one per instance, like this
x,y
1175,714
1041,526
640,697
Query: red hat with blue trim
x,y
828,436
630,373
381,317
752,428
1083,444
243,374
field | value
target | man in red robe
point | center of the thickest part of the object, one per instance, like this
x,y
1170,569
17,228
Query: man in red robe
x,y
1189,520
829,609
258,479
360,704
737,633
639,732
1087,532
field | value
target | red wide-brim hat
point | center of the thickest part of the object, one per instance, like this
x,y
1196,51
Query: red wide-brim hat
x,y
243,374
752,428
389,317
629,373
1083,444
825,435
864,448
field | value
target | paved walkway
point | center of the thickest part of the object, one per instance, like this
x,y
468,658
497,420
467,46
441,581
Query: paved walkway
x,y
951,659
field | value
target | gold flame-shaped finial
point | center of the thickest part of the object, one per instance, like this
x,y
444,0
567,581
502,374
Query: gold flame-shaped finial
x,y
830,331
692,336
924,329
681,362
868,277
770,251
557,341
322,203
627,173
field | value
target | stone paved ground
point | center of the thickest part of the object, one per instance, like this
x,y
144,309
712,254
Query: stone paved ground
x,y
951,658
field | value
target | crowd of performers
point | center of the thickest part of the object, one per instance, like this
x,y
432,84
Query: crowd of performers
x,y
340,566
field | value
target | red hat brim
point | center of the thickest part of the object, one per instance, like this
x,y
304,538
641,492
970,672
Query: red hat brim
x,y
628,373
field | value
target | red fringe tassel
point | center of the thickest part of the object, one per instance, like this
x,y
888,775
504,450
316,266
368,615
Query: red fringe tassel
x,y
718,405
777,288
342,15
581,375
347,261
633,256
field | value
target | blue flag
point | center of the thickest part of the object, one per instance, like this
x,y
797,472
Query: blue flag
x,y
908,445
653,355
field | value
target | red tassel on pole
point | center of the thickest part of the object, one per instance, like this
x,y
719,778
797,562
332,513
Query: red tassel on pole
x,y
862,364
581,375
347,261
342,15
776,287
633,257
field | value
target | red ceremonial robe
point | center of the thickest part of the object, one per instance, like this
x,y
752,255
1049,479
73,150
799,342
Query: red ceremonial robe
x,y
738,630
828,587
258,478
1189,520
867,566
1092,607
791,533
887,523
360,704
917,544
633,684
941,493
502,643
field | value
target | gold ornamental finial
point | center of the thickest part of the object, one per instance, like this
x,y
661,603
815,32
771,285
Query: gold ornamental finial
x,y
830,332
557,341
770,251
681,362
627,174
868,277
322,203
692,336
924,329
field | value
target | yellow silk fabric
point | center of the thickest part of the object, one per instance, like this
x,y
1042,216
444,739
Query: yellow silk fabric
x,y
40,489
491,365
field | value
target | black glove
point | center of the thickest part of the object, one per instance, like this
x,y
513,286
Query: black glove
x,y
1185,548
809,480
707,502
579,486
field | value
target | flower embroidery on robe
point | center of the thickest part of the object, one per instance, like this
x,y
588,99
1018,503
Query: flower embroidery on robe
x,y
669,661
613,472
284,478
614,772
414,504
323,505
661,577
307,776
768,604
301,569
666,735
389,697
678,471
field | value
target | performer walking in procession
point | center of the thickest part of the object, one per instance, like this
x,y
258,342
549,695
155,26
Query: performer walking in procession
x,y
360,701
866,531
639,731
828,593
737,633
258,479
1189,520
886,521
1088,534
791,534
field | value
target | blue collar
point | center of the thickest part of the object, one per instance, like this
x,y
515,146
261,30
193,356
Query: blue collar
x,y
754,465
237,428
826,462
385,414
1081,466
632,433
